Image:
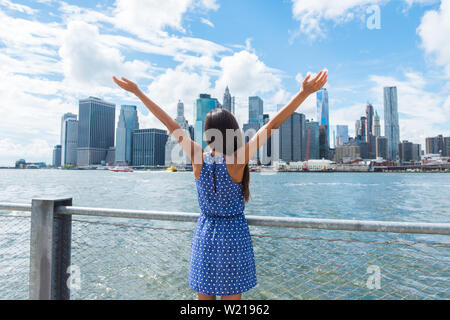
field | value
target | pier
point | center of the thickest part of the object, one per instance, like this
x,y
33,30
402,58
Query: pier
x,y
144,254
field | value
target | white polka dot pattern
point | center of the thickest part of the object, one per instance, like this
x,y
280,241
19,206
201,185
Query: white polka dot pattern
x,y
222,259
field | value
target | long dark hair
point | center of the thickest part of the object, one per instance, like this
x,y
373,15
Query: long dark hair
x,y
223,120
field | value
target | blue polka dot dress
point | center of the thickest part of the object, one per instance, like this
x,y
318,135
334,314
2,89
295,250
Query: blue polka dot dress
x,y
222,260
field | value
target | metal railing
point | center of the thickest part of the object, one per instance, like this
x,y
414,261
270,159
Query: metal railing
x,y
123,254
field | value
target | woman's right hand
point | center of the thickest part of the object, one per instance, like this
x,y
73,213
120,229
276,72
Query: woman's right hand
x,y
315,84
127,85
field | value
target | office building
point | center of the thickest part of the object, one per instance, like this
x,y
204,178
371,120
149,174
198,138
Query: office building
x,y
341,135
228,101
324,143
382,150
95,130
391,124
149,147
312,138
128,122
204,105
69,138
323,116
175,156
292,138
57,156
376,125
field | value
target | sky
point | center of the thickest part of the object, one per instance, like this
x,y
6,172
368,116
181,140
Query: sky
x,y
53,53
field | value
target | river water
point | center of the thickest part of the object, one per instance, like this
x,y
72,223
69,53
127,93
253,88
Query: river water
x,y
148,261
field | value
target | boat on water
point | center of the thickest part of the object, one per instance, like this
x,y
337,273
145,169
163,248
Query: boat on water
x,y
172,169
121,169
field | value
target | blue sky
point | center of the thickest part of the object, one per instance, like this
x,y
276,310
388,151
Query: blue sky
x,y
53,53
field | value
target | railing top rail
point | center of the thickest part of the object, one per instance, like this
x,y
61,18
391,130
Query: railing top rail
x,y
267,221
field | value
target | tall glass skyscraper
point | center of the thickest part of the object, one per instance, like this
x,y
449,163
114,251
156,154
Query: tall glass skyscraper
x,y
391,125
255,110
149,147
204,105
341,135
292,138
128,121
323,116
312,133
376,125
70,142
95,130
64,119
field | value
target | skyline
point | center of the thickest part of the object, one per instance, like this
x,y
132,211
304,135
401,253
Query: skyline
x,y
205,45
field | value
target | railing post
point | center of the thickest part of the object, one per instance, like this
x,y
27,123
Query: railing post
x,y
50,246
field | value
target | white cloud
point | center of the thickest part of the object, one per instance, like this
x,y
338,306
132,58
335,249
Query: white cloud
x,y
247,75
88,60
207,22
17,7
32,151
433,31
313,13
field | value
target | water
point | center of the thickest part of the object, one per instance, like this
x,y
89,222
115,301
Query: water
x,y
141,262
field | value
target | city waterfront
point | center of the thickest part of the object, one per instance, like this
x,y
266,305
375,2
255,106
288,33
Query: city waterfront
x,y
116,257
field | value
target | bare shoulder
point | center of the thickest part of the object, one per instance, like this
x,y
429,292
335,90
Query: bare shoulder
x,y
197,167
235,170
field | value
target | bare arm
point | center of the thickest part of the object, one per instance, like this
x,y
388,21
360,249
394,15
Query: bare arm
x,y
263,134
192,149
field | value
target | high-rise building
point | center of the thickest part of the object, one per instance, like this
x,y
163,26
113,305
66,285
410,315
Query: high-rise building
x,y
57,156
292,138
266,149
70,142
95,130
376,125
64,138
228,101
149,147
436,145
382,150
341,135
405,151
391,124
255,110
204,105
324,143
128,122
323,116
347,153
312,134
358,128
370,121
363,129
446,149
172,157
416,152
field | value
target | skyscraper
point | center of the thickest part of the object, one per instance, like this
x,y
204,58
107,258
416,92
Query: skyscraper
x,y
255,110
292,138
181,158
95,130
69,155
370,121
204,105
149,147
376,125
382,150
435,145
228,101
324,143
391,125
128,121
341,135
64,118
357,128
312,134
323,116
57,156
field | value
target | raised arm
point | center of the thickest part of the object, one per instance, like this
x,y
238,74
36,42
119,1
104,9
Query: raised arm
x,y
192,149
263,134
